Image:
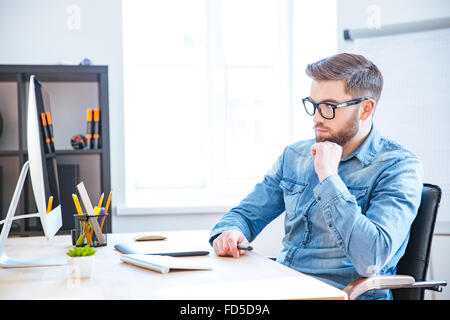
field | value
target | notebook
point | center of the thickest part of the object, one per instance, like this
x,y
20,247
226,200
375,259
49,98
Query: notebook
x,y
164,264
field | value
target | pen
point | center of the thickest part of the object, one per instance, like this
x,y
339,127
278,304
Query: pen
x,y
50,203
245,247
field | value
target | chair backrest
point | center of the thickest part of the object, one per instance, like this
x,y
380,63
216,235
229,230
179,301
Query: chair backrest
x,y
417,254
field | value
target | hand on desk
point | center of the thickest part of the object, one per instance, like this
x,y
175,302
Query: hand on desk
x,y
226,243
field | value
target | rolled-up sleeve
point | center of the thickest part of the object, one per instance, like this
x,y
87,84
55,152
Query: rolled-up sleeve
x,y
371,240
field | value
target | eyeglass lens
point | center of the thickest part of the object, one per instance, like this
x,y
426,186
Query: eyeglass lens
x,y
325,110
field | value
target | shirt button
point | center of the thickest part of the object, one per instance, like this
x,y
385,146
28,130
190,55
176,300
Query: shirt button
x,y
319,198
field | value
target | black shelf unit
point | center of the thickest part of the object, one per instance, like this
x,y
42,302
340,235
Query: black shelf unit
x,y
93,166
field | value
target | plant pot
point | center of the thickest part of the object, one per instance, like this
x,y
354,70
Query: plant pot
x,y
81,267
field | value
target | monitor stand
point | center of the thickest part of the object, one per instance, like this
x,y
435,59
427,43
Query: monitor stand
x,y
7,262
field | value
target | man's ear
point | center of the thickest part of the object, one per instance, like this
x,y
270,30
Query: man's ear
x,y
367,107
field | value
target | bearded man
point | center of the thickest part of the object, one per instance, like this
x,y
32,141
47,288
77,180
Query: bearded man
x,y
350,195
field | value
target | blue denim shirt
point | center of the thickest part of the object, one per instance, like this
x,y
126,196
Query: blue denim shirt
x,y
351,225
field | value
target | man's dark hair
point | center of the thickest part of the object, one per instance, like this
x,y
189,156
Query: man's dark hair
x,y
361,76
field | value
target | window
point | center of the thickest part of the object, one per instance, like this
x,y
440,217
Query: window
x,y
210,96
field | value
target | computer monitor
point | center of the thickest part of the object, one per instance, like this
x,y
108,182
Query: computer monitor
x,y
42,158
44,179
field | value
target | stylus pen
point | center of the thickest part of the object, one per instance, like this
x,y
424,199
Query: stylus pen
x,y
245,247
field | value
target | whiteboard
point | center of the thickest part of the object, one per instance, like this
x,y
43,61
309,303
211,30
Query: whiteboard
x,y
414,108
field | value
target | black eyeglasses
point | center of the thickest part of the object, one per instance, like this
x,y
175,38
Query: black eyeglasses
x,y
327,110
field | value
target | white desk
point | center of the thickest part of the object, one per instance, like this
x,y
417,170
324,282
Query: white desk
x,y
251,276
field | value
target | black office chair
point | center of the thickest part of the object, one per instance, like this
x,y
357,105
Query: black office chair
x,y
410,282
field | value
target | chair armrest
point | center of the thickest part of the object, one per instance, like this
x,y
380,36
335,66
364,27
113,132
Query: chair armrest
x,y
359,286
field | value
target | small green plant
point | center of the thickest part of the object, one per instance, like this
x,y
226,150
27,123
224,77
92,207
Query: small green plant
x,y
81,251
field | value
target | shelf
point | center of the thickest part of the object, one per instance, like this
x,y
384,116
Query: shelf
x,y
8,76
6,153
72,88
53,73
77,152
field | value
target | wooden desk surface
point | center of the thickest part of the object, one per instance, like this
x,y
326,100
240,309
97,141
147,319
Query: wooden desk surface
x,y
251,276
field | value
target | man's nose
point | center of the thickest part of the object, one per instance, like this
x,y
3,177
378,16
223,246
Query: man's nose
x,y
317,118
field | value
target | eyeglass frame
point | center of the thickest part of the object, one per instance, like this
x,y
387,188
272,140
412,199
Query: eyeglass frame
x,y
333,106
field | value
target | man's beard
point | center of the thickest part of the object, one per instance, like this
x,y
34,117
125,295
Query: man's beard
x,y
344,135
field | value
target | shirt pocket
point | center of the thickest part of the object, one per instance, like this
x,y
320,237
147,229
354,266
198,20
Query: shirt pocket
x,y
292,192
357,194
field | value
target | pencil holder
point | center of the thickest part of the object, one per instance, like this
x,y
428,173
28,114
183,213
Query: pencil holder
x,y
89,230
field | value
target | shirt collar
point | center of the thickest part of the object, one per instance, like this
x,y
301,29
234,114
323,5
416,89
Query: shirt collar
x,y
368,149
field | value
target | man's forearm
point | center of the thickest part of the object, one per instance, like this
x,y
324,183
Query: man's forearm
x,y
370,240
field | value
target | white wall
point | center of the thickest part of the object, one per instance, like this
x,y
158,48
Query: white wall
x,y
47,32
44,32
355,14
439,267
